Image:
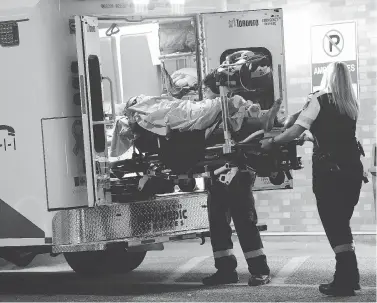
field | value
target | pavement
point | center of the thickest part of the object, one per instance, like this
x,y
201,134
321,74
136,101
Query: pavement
x,y
298,265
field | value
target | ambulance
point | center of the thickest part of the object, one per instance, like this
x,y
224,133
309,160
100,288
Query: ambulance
x,y
66,67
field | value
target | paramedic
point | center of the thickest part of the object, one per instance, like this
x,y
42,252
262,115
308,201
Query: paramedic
x,y
235,200
331,114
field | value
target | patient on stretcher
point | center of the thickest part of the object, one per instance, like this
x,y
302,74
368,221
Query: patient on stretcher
x,y
162,116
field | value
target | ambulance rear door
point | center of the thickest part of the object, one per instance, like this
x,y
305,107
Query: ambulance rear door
x,y
259,31
93,117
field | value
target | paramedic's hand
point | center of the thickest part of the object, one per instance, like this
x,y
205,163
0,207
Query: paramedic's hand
x,y
306,136
267,144
279,101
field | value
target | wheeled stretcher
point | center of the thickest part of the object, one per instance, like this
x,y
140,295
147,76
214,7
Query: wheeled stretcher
x,y
158,163
156,168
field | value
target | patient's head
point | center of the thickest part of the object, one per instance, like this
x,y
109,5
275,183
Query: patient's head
x,y
210,88
208,93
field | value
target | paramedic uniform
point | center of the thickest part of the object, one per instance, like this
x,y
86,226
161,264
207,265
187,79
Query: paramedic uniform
x,y
235,201
337,192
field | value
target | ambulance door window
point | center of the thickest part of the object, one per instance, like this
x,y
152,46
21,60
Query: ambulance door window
x,y
95,79
256,78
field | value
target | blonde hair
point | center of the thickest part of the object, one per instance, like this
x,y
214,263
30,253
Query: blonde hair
x,y
337,80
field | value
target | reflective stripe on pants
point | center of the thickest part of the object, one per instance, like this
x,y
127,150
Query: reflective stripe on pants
x,y
223,253
344,247
253,253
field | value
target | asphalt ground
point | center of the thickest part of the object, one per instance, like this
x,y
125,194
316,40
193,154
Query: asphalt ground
x,y
298,265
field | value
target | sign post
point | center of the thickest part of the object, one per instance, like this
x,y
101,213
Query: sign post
x,y
330,43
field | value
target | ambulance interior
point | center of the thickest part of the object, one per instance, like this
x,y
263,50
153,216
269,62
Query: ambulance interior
x,y
151,58
160,58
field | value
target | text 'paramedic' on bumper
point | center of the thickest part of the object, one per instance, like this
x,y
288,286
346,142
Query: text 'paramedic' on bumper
x,y
160,218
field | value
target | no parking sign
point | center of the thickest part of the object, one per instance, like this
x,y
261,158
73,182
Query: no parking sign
x,y
333,42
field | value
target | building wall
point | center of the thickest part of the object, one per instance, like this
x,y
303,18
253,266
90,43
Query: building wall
x,y
295,210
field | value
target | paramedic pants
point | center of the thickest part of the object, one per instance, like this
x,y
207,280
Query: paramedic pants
x,y
235,201
337,194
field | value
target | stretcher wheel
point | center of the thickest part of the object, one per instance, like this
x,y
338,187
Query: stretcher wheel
x,y
277,178
187,185
104,262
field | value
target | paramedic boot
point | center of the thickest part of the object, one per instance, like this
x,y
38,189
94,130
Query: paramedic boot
x,y
221,277
346,277
257,280
333,289
260,272
327,286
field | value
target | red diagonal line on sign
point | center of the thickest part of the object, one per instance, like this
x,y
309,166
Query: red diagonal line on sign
x,y
332,42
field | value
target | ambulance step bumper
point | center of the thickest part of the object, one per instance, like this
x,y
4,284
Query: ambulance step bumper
x,y
175,213
172,217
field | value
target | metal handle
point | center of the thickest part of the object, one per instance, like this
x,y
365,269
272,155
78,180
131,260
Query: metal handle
x,y
280,82
111,97
112,30
175,56
110,122
227,147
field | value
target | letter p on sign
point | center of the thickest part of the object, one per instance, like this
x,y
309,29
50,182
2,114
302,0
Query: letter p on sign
x,y
333,43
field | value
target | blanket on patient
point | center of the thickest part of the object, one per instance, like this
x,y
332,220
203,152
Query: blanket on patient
x,y
160,114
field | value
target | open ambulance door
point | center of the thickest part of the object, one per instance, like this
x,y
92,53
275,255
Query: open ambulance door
x,y
93,118
258,31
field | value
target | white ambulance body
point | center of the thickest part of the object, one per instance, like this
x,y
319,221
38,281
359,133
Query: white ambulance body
x,y
54,188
